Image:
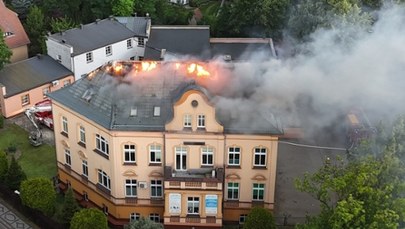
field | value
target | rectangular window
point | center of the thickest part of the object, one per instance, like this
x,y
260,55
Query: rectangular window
x,y
108,50
133,112
89,57
233,191
102,144
45,92
66,83
193,205
85,168
130,188
141,41
207,156
154,217
25,99
233,156
187,120
260,156
156,111
59,58
68,159
155,152
201,121
156,188
129,153
181,158
242,218
105,209
129,43
104,179
82,133
134,216
64,124
258,191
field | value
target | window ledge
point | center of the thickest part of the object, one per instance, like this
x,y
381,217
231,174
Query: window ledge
x,y
64,134
259,167
101,154
130,163
155,163
207,166
193,215
82,144
233,166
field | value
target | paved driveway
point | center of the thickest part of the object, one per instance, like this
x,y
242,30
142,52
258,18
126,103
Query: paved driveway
x,y
11,219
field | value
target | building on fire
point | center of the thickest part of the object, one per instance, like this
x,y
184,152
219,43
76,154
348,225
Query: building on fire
x,y
146,139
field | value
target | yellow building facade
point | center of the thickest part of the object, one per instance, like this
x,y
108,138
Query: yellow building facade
x,y
174,162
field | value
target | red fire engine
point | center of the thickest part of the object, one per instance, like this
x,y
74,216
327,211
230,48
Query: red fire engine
x,y
41,113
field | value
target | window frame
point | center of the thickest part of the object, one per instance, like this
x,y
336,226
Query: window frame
x,y
25,99
85,168
154,184
132,186
134,216
45,92
156,150
65,127
89,57
108,50
103,179
181,151
201,121
259,189
187,121
194,203
155,217
68,157
205,152
257,153
234,153
129,44
82,134
131,153
233,189
141,41
101,143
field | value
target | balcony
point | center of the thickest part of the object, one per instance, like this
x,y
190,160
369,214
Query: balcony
x,y
211,176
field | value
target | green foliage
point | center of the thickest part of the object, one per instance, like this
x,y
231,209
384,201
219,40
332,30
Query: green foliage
x,y
5,54
3,166
89,218
35,28
366,192
1,116
259,218
61,24
69,207
144,223
15,175
38,193
162,12
122,7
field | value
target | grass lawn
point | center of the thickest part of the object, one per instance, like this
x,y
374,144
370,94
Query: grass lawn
x,y
35,161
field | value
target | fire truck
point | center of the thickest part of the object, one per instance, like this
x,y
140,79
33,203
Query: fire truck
x,y
39,114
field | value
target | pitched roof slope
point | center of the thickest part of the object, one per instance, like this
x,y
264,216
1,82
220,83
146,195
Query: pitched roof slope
x,y
139,25
11,24
183,40
31,73
94,35
126,102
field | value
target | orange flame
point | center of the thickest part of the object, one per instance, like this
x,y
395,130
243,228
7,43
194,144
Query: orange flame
x,y
148,66
197,69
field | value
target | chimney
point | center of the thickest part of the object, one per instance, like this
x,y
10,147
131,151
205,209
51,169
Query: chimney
x,y
162,54
3,89
135,14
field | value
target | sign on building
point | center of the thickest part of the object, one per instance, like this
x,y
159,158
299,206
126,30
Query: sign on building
x,y
211,204
174,203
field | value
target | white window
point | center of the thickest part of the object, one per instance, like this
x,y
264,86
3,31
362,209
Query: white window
x,y
108,50
59,58
207,156
89,57
134,216
102,144
233,156
187,120
25,99
242,218
64,124
155,152
181,158
129,153
105,209
233,191
156,188
201,121
156,111
82,133
260,156
154,217
103,179
85,168
133,112
258,191
66,83
129,43
141,41
130,188
68,159
193,205
45,92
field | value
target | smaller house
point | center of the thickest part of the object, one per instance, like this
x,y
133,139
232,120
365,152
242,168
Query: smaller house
x,y
14,34
86,48
180,2
27,82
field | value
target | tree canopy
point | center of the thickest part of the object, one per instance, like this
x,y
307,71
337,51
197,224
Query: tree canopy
x,y
259,218
15,175
35,28
89,218
5,52
69,207
144,223
38,193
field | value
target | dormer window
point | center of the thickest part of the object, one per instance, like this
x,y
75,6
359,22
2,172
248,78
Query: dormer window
x,y
133,112
156,111
201,121
7,34
187,120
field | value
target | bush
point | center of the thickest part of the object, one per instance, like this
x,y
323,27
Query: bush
x,y
3,166
89,218
259,218
1,121
38,193
15,175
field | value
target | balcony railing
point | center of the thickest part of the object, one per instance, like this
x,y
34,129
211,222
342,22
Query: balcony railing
x,y
210,176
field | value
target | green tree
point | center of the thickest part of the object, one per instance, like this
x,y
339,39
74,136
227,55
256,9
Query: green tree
x,y
35,28
15,175
61,24
142,7
259,218
5,53
122,7
3,166
39,193
70,207
89,218
365,193
144,223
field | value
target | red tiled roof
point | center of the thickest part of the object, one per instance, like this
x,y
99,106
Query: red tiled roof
x,y
9,22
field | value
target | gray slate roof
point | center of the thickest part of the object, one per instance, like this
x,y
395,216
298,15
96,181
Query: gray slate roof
x,y
31,73
183,40
94,35
139,25
107,99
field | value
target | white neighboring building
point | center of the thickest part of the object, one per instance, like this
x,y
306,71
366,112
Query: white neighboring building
x,y
86,48
180,2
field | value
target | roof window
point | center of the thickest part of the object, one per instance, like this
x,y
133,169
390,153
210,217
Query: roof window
x,y
133,112
156,111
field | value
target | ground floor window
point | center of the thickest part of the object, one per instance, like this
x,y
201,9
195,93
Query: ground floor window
x,y
154,217
193,205
242,218
134,216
